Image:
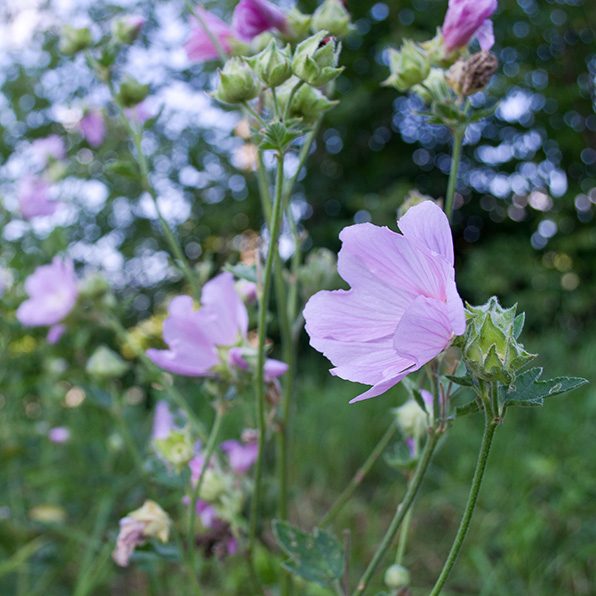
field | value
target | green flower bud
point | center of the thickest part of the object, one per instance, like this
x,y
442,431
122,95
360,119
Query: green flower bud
x,y
132,92
104,364
491,350
409,66
93,286
411,419
308,103
298,24
315,60
126,29
213,486
397,577
272,65
74,40
237,82
176,448
332,16
435,87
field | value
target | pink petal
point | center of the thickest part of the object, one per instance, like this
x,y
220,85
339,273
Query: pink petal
x,y
199,47
485,35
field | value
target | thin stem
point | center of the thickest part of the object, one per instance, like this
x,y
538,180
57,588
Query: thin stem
x,y
275,225
291,99
489,430
275,102
254,113
408,499
403,537
359,476
458,136
219,413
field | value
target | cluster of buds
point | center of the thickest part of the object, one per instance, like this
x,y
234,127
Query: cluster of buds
x,y
490,347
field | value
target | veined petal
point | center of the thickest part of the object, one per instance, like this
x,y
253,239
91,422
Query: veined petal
x,y
183,363
423,331
428,226
380,388
455,308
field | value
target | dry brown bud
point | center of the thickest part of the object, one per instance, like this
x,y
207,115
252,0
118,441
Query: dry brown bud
x,y
478,71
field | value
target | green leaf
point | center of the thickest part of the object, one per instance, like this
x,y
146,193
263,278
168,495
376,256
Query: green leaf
x,y
518,324
278,136
464,381
316,557
528,391
240,271
467,409
128,169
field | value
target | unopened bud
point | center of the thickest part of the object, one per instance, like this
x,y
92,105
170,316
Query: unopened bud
x,y
273,66
409,66
126,29
298,23
132,92
332,16
104,364
397,577
316,58
307,103
434,87
176,448
411,419
213,486
237,82
74,40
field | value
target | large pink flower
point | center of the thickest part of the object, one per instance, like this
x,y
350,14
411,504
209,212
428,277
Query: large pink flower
x,y
253,17
34,197
52,293
403,307
196,336
199,47
466,19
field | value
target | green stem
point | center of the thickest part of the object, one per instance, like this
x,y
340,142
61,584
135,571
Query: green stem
x,y
458,136
408,499
291,99
489,430
275,225
359,476
254,113
219,413
403,538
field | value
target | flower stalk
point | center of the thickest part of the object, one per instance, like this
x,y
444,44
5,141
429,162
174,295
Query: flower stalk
x,y
458,137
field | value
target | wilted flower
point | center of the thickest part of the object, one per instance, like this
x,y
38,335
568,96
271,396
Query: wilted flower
x,y
199,47
34,197
59,434
52,293
196,337
403,307
93,128
149,521
466,19
51,147
253,17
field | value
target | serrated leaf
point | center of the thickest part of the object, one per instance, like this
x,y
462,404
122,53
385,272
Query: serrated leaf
x,y
316,557
518,324
467,409
528,391
242,271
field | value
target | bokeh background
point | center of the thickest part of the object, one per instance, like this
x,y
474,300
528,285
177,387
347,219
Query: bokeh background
x,y
524,230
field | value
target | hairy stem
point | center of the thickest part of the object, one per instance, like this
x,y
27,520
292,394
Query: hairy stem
x,y
458,136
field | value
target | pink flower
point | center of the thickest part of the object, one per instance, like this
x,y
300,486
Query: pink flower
x,y
34,197
139,113
59,434
241,455
49,147
195,336
52,293
163,423
199,47
466,19
55,332
253,17
403,307
93,128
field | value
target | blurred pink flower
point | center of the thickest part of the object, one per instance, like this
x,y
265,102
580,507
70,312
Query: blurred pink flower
x,y
247,290
34,197
163,422
52,291
55,332
93,128
59,434
466,19
195,336
241,455
139,113
253,17
403,307
48,147
199,47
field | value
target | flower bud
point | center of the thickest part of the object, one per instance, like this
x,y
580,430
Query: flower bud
x,y
397,577
308,103
176,448
273,66
409,66
411,419
298,24
315,60
237,82
491,350
332,16
132,92
74,40
435,87
105,364
126,30
471,76
93,286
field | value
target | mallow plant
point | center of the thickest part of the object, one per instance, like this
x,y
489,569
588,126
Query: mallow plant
x,y
401,320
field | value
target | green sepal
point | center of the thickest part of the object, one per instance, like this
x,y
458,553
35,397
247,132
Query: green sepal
x,y
316,557
528,391
518,324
